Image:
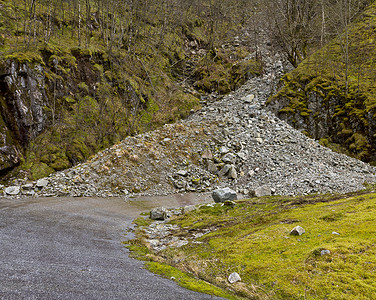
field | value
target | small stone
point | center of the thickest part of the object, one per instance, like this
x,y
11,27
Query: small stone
x,y
242,155
212,168
262,191
188,208
335,233
251,173
182,173
234,277
232,174
224,150
29,193
249,98
259,140
224,170
41,183
207,154
180,184
12,190
229,158
153,242
298,230
221,195
159,213
325,252
27,187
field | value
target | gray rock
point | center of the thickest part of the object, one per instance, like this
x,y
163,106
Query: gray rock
x,y
29,193
298,230
229,158
234,277
262,191
159,213
212,168
232,174
221,195
12,190
182,173
180,184
41,183
207,154
224,170
189,208
224,150
325,252
249,98
27,187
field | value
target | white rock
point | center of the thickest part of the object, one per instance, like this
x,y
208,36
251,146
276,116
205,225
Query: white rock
x,y
325,252
182,173
262,191
298,230
12,190
234,277
41,183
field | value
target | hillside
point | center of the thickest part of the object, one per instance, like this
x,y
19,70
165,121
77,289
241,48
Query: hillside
x,y
233,141
78,77
330,96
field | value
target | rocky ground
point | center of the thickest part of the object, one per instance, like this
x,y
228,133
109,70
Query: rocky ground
x,y
232,141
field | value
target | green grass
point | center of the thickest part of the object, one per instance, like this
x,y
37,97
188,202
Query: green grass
x,y
253,239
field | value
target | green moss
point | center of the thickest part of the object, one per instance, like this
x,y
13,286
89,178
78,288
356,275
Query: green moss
x,y
40,170
25,57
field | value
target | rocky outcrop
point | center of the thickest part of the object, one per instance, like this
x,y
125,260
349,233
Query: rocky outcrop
x,y
332,98
22,98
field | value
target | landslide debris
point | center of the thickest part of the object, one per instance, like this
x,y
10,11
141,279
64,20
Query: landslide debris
x,y
232,141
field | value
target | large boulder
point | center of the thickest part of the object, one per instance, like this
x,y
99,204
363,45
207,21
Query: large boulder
x,y
262,191
12,190
222,195
159,213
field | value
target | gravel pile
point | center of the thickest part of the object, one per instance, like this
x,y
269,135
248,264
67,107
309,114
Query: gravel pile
x,y
232,141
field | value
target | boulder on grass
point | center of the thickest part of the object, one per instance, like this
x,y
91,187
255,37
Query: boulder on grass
x,y
222,195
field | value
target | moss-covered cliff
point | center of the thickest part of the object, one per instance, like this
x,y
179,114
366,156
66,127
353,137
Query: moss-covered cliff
x,y
332,95
77,78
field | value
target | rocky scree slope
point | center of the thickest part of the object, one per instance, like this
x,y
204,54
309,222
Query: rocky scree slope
x,y
233,141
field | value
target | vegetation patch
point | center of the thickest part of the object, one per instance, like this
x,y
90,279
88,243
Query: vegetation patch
x,y
331,94
253,239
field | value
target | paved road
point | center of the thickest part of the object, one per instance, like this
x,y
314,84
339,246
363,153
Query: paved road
x,y
70,248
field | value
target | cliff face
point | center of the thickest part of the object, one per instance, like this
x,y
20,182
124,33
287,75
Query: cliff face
x,y
22,97
58,107
331,95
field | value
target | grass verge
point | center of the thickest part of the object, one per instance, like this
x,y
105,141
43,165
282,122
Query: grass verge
x,y
253,239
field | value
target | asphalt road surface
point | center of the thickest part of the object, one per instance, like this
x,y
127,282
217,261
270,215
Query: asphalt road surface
x,y
70,248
